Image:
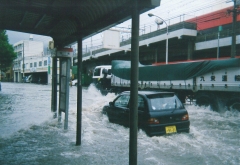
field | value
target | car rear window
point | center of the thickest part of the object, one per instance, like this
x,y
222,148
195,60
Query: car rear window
x,y
164,102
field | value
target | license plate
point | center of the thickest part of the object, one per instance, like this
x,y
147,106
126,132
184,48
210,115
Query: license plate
x,y
171,129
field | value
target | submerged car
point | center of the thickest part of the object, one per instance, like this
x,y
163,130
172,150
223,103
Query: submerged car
x,y
159,113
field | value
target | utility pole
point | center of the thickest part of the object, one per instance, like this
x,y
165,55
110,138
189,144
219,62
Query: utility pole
x,y
235,12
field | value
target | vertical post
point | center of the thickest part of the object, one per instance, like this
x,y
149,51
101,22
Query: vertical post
x,y
218,46
233,47
59,93
134,84
23,59
156,55
0,80
54,87
79,92
190,49
167,45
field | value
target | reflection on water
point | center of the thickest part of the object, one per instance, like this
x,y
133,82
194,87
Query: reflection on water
x,y
29,135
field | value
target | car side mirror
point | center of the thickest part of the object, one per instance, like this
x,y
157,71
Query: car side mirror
x,y
111,103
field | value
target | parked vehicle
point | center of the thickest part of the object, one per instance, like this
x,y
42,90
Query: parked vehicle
x,y
159,113
208,82
28,79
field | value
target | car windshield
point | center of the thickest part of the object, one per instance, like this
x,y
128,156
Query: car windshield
x,y
165,101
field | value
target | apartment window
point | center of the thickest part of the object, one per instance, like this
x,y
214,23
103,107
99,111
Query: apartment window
x,y
40,63
31,65
45,62
35,64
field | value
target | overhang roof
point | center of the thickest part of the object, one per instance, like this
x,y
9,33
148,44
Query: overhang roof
x,y
64,20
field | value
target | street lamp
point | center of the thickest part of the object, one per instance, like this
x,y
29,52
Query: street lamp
x,y
150,15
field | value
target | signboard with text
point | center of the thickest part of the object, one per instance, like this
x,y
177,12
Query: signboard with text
x,y
65,52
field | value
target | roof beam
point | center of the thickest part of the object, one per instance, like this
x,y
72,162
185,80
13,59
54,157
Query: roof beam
x,y
39,21
23,18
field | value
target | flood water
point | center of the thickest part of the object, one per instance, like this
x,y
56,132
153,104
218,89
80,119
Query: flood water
x,y
29,134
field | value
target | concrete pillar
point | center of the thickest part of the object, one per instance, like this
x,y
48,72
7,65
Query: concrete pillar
x,y
190,49
156,55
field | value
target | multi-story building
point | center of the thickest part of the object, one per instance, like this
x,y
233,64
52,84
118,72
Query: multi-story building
x,y
31,60
208,36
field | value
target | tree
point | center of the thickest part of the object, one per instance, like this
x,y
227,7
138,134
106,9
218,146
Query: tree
x,y
7,54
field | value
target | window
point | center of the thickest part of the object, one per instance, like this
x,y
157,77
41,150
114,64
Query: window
x,y
97,72
31,65
122,101
141,104
45,62
40,63
35,64
109,71
159,102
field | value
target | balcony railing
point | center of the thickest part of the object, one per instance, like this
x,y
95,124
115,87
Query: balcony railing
x,y
181,25
214,35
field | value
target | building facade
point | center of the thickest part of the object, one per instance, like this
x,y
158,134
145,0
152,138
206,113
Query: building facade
x,y
31,60
204,37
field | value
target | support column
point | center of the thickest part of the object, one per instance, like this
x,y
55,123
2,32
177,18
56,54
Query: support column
x,y
233,46
190,49
79,93
156,55
134,84
54,87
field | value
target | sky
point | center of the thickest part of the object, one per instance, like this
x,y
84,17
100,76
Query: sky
x,y
172,11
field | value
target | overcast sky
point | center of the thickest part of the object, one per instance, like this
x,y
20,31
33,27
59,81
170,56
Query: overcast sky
x,y
171,10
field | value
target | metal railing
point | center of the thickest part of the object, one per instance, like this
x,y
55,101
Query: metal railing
x,y
171,28
214,35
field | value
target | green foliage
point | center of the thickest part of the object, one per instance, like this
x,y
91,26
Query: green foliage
x,y
7,54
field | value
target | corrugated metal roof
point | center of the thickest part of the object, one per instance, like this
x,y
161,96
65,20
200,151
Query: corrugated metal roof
x,y
63,20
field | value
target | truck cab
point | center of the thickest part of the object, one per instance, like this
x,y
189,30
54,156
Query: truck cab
x,y
103,71
102,77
